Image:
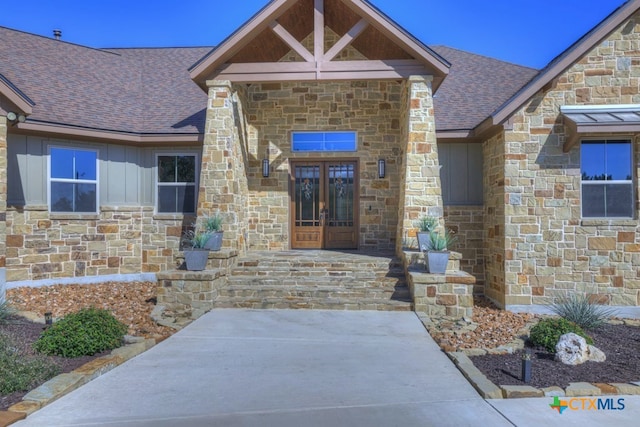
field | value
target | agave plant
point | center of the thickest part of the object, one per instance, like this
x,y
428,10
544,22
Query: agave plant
x,y
212,223
197,239
441,242
427,223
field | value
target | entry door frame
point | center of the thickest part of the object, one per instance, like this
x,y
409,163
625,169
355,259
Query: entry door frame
x,y
323,162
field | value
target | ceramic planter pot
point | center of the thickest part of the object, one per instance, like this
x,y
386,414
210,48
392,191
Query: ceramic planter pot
x,y
437,262
215,241
196,259
424,240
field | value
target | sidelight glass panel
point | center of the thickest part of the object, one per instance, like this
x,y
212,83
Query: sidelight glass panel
x,y
307,196
341,194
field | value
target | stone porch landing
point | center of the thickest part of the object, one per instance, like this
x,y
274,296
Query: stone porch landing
x,y
296,279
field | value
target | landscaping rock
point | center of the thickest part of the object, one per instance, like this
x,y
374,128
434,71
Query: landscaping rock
x,y
628,389
518,391
573,350
8,417
553,391
582,389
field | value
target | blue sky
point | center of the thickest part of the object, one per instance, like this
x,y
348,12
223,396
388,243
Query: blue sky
x,y
526,32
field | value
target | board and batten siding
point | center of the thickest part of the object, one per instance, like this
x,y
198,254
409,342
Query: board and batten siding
x,y
461,173
126,174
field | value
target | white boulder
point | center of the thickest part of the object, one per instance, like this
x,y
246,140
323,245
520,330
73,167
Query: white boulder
x,y
572,349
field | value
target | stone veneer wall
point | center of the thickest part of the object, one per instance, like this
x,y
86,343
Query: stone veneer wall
x,y
223,176
119,240
494,218
3,201
420,190
549,249
371,108
467,222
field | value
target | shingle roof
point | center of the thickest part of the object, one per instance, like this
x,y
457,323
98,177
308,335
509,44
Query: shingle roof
x,y
149,90
128,90
475,87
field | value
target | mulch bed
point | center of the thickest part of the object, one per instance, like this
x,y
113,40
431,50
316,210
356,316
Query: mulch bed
x,y
620,343
23,334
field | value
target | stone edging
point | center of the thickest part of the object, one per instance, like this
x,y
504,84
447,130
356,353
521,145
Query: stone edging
x,y
64,383
489,390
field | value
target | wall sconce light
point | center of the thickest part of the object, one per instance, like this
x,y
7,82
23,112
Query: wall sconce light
x,y
265,168
382,168
15,118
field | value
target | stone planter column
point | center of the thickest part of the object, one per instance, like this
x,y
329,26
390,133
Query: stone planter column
x,y
420,191
3,202
223,180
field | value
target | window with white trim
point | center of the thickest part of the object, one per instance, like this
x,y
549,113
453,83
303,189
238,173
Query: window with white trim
x,y
176,183
73,180
607,179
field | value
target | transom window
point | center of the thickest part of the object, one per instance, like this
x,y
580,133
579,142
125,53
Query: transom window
x,y
73,183
607,179
324,141
176,183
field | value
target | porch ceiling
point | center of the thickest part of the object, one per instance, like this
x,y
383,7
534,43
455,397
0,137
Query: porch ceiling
x,y
255,52
583,119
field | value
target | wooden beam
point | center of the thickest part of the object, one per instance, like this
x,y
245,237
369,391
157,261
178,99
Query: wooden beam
x,y
291,41
267,67
267,77
318,30
373,65
314,76
346,40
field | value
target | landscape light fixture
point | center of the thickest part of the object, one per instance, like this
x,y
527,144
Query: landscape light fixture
x,y
382,168
48,318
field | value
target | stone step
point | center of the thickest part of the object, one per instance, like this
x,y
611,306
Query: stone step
x,y
320,292
293,302
284,281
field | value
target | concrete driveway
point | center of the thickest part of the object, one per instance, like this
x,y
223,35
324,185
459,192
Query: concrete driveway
x,y
282,368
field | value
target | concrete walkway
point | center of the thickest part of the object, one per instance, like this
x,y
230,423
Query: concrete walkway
x,y
299,368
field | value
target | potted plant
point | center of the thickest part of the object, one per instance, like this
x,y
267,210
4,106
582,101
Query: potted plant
x,y
437,251
213,226
426,224
196,256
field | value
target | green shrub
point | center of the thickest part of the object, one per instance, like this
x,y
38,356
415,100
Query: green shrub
x,y
548,331
20,372
85,333
581,310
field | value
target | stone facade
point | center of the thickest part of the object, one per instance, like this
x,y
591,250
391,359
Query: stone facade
x,y
267,113
45,246
467,222
533,215
3,201
420,191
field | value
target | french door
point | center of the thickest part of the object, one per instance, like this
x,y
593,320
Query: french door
x,y
324,211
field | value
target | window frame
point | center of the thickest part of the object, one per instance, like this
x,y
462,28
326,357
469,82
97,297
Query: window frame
x,y
158,184
50,179
322,132
628,139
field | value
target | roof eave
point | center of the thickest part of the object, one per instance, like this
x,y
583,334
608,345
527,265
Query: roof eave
x,y
15,96
565,60
200,71
64,130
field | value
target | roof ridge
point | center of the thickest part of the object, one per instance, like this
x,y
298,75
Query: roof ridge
x,y
49,39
